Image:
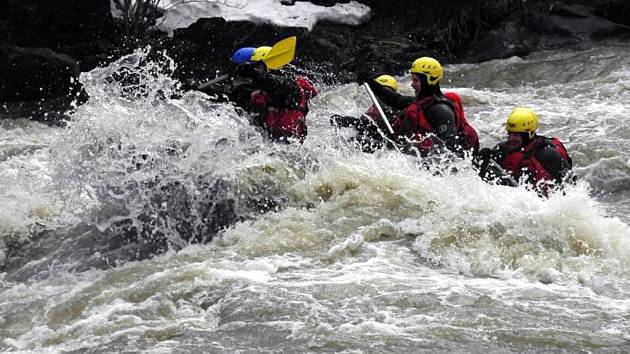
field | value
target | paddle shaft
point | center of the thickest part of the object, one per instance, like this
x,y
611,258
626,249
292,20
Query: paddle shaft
x,y
280,54
378,107
212,82
503,173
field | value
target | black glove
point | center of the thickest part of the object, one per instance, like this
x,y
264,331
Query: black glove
x,y
246,70
343,121
363,76
483,157
485,154
190,84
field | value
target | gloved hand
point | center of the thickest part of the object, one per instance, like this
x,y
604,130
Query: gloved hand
x,y
481,159
190,84
343,121
246,70
485,154
363,76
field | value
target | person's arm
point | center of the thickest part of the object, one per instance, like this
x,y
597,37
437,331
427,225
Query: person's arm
x,y
443,120
282,91
344,121
389,97
488,163
218,89
552,161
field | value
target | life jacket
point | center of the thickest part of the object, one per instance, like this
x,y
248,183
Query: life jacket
x,y
283,123
415,119
468,137
373,113
524,159
392,118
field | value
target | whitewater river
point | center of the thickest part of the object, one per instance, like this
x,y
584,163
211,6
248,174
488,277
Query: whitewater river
x,y
319,247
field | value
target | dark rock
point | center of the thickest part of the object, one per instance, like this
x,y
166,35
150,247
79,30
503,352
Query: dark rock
x,y
84,30
398,32
89,54
549,36
165,214
616,10
327,52
37,83
511,39
35,73
326,3
591,27
204,49
44,23
575,11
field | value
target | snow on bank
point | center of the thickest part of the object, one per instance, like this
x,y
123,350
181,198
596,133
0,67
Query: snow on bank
x,y
181,13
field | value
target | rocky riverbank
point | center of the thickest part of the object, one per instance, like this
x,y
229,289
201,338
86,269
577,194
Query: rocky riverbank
x,y
44,46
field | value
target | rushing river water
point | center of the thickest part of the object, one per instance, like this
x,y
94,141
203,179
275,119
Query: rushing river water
x,y
319,247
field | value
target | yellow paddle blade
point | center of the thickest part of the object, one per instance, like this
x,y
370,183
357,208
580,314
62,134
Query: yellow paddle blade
x,y
281,53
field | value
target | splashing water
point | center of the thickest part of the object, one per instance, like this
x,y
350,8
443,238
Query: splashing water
x,y
317,247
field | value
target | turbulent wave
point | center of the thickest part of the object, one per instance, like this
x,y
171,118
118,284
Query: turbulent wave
x,y
159,220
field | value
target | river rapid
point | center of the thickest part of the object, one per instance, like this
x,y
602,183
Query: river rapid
x,y
105,225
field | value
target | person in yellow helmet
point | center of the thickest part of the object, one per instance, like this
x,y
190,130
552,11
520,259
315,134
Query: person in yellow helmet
x,y
279,102
230,87
274,101
526,157
260,53
432,121
371,130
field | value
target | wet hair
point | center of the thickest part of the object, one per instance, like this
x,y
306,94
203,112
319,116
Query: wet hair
x,y
526,138
260,65
427,90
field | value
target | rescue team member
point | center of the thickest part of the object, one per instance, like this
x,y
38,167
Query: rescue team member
x,y
542,163
432,119
229,87
279,103
370,127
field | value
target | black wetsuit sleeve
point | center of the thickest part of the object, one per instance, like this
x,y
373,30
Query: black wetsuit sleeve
x,y
553,162
391,98
344,121
241,94
442,119
219,90
283,91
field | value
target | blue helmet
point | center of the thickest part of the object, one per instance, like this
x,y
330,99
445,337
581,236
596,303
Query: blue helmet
x,y
243,55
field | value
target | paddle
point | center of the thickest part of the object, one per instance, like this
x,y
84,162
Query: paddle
x,y
503,175
281,54
489,169
378,107
212,82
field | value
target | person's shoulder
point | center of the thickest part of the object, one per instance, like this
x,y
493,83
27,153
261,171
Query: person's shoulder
x,y
440,108
544,150
543,142
453,96
306,84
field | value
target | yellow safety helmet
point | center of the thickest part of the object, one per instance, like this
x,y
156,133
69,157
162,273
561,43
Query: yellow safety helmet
x,y
522,120
428,67
260,53
388,81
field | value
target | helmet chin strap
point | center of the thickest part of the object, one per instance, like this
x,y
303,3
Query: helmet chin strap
x,y
426,90
261,66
